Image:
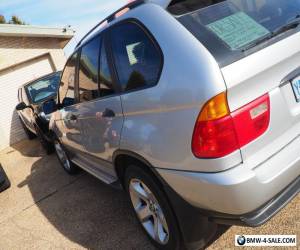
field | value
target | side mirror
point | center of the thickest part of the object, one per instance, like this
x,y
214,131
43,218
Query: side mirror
x,y
21,106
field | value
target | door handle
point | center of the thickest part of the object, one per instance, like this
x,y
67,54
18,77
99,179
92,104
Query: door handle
x,y
73,117
108,113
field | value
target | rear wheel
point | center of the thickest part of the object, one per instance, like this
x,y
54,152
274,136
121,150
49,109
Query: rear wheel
x,y
30,135
152,209
64,159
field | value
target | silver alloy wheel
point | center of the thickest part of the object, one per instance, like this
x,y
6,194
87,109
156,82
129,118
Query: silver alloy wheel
x,y
62,155
149,211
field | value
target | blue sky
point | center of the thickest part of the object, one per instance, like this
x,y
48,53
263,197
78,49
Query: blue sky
x,y
80,14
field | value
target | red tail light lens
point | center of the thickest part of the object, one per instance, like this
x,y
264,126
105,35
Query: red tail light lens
x,y
252,120
222,134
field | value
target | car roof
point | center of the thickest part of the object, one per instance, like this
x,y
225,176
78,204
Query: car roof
x,y
131,5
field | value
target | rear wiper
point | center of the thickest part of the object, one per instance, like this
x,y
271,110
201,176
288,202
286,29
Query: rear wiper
x,y
293,24
257,42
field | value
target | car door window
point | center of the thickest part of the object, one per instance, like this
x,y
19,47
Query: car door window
x,y
138,60
88,71
67,84
105,77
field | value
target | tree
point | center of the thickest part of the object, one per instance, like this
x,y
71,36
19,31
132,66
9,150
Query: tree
x,y
2,19
16,20
13,20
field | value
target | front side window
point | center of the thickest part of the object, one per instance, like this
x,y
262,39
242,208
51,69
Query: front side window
x,y
88,71
138,60
67,84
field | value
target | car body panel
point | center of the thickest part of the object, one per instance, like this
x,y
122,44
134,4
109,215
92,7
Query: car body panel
x,y
160,114
91,135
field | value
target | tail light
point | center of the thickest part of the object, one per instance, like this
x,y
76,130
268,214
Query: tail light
x,y
219,132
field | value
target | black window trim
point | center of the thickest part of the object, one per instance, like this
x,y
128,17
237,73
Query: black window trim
x,y
111,64
154,42
105,42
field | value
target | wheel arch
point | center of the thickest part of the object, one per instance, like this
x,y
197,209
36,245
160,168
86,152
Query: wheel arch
x,y
187,217
122,160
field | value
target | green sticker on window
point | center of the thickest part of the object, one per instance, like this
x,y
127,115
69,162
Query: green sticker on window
x,y
238,30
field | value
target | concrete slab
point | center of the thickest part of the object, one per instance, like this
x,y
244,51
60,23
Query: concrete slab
x,y
47,209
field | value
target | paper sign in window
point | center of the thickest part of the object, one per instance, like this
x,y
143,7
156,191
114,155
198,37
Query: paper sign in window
x,y
238,30
132,57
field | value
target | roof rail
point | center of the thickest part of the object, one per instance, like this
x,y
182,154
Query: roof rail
x,y
130,5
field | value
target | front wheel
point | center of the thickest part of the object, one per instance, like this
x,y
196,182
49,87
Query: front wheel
x,y
152,209
64,159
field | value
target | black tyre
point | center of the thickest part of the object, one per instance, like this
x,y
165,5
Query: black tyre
x,y
47,146
29,134
152,209
64,159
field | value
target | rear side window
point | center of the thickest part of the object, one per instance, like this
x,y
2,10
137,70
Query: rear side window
x,y
88,71
67,84
138,60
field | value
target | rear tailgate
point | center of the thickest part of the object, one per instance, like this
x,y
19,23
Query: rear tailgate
x,y
269,70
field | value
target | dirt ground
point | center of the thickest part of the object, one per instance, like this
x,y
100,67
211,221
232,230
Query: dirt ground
x,y
47,209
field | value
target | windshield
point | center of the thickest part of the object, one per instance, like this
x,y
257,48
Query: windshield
x,y
226,28
43,88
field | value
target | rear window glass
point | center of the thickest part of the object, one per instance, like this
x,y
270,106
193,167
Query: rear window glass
x,y
227,28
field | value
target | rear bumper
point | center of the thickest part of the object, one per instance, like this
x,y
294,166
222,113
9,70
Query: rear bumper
x,y
240,190
198,225
262,214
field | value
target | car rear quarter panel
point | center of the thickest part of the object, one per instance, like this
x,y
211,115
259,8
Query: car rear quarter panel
x,y
159,121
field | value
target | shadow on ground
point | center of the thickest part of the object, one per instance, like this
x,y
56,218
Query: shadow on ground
x,y
82,208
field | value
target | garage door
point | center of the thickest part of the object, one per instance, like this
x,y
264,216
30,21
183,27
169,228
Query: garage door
x,y
10,128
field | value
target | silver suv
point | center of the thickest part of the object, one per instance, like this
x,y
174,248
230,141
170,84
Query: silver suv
x,y
193,108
